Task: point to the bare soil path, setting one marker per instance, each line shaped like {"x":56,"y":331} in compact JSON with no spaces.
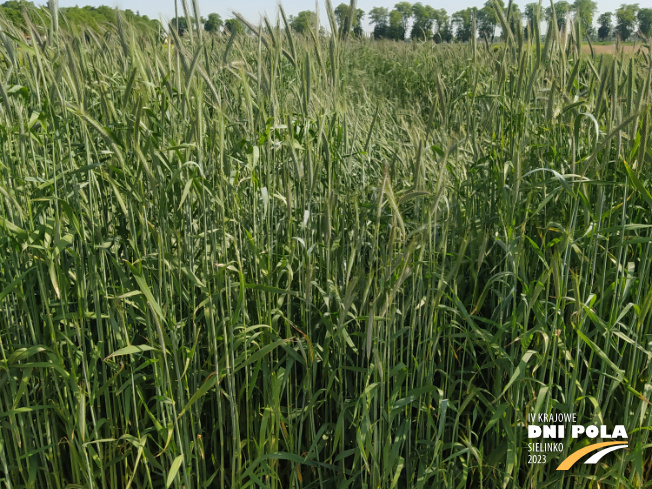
{"x":609,"y":48}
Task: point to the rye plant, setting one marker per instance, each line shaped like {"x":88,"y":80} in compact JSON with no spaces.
{"x":294,"y":261}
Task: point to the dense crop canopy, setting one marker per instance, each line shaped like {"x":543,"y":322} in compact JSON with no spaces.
{"x":281,"y":260}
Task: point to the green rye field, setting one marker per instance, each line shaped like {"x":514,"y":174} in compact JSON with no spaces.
{"x":281,"y":261}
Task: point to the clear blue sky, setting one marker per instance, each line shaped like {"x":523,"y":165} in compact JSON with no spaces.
{"x":253,"y":9}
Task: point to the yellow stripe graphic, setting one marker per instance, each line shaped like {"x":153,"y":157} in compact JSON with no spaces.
{"x":575,"y":456}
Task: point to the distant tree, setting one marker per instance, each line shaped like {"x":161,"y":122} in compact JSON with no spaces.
{"x":463,"y":22}
{"x":342,"y":17}
{"x":532,"y":14}
{"x":405,"y":9}
{"x":12,"y":11}
{"x":561,"y":10}
{"x":304,"y":21}
{"x":440,"y":19}
{"x":180,"y":24}
{"x":626,"y":20}
{"x":357,"y":27}
{"x":107,"y":13}
{"x":584,"y":12}
{"x":379,"y":18}
{"x":444,"y":29}
{"x":515,"y":19}
{"x":213,"y":23}
{"x":77,"y":18}
{"x":88,"y":17}
{"x":424,"y":20}
{"x":644,"y":17}
{"x":605,"y":26}
{"x":233,"y":25}
{"x":396,"y":28}
{"x":488,"y":19}
{"x":341,"y":14}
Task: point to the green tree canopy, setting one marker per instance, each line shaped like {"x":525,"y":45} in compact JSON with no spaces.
{"x":626,"y":20}
{"x":463,"y":23}
{"x":379,"y":18}
{"x":233,"y":25}
{"x":342,"y":17}
{"x":515,"y":18}
{"x":488,"y":18}
{"x":12,"y":11}
{"x":532,"y":14}
{"x":584,"y":12}
{"x":357,"y":27}
{"x":605,"y":26}
{"x":213,"y":23}
{"x":644,"y":17}
{"x":444,"y":29}
{"x":424,"y":20}
{"x":396,"y":28}
{"x":304,"y":21}
{"x":75,"y":18}
{"x":180,"y":24}
{"x":405,"y":9}
{"x":561,"y":9}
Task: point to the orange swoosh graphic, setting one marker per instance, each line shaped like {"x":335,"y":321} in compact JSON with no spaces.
{"x":575,"y":456}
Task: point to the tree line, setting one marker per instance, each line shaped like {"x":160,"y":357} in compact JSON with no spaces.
{"x":405,"y":21}
{"x":76,"y":17}
{"x":424,"y":22}
{"x":420,"y":22}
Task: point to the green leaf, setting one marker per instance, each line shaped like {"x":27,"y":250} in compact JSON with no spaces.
{"x":140,"y":280}
{"x":638,"y":184}
{"x":205,"y":387}
{"x":186,"y":190}
{"x":520,"y":368}
{"x":174,"y":469}
{"x":14,"y":285}
{"x":598,"y":351}
{"x":130,"y":350}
